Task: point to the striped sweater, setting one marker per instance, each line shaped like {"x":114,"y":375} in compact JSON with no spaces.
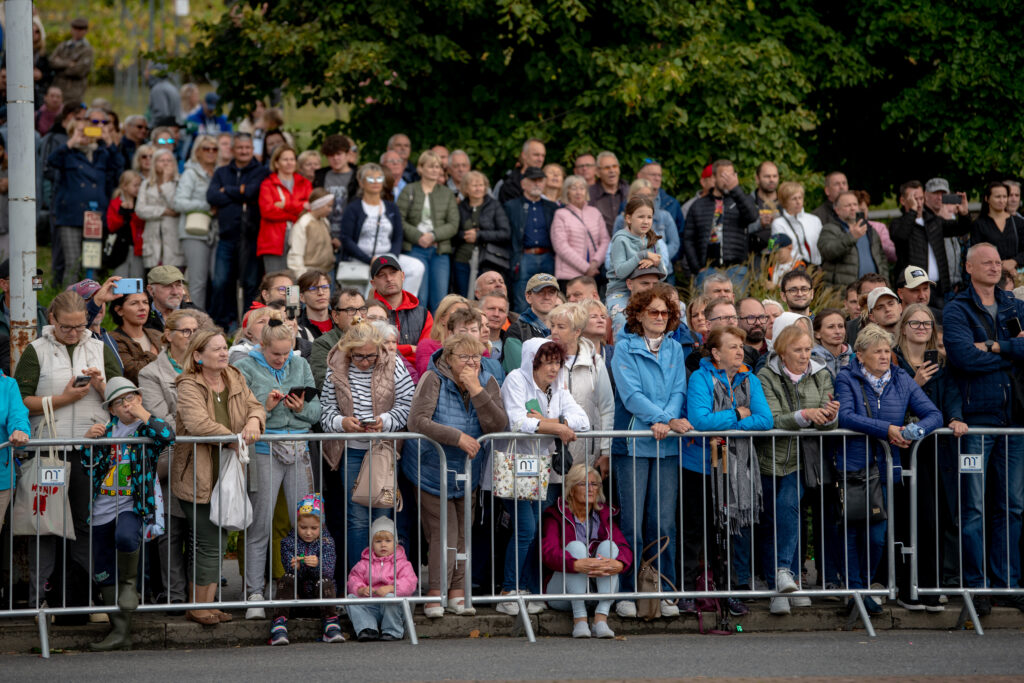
{"x":362,"y":401}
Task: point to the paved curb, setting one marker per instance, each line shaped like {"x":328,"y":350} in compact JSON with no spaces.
{"x":152,"y":631}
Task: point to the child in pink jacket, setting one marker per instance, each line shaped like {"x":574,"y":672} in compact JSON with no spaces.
{"x":383,"y":571}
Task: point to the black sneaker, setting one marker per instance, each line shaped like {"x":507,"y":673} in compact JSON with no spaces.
{"x":367,"y":634}
{"x":388,"y":637}
{"x":688,"y":605}
{"x":911,"y":605}
{"x":872,"y":607}
{"x":737,"y":608}
{"x":1009,"y":601}
{"x":982,"y":605}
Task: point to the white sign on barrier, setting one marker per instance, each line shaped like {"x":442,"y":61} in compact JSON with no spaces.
{"x":51,"y":476}
{"x":527,"y":467}
{"x":972,"y":463}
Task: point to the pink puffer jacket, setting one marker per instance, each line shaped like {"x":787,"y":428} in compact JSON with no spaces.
{"x":384,"y":571}
{"x":573,"y":235}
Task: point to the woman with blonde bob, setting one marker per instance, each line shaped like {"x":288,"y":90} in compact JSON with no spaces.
{"x":801,"y":227}
{"x":457,"y":401}
{"x":365,"y":391}
{"x":582,"y":543}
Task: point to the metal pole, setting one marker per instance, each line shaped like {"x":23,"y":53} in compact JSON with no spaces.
{"x":22,"y":189}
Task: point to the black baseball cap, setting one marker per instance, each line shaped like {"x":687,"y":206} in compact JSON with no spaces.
{"x":533,"y":173}
{"x":383,"y":261}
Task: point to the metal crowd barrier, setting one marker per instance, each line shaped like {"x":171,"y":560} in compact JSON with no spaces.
{"x":726,"y":587}
{"x":407,"y":523}
{"x":950,"y":487}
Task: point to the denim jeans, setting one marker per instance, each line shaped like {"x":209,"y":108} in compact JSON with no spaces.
{"x":739,"y":553}
{"x":648,"y":497}
{"x":1005,"y":457}
{"x":120,"y":535}
{"x":380,"y":618}
{"x":865,"y":543}
{"x":780,"y":525}
{"x":521,"y":554}
{"x":461,"y":272}
{"x":358,"y":517}
{"x":530,"y":265}
{"x":438,"y":271}
{"x":571,"y":582}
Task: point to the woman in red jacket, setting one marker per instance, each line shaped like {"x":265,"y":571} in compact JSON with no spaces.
{"x":284,"y":195}
{"x":580,"y":543}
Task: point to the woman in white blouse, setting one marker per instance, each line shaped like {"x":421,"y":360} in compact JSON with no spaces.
{"x":802,"y":227}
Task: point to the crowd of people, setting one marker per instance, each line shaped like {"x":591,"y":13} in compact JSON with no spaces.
{"x":391,"y":297}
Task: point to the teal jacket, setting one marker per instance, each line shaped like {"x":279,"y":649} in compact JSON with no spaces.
{"x":262,"y":379}
{"x":16,"y":414}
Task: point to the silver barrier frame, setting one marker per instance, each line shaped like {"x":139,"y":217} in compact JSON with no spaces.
{"x":967,"y":594}
{"x":407,"y":603}
{"x":857,"y":595}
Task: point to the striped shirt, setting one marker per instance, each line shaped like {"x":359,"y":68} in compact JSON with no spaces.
{"x":394,"y":420}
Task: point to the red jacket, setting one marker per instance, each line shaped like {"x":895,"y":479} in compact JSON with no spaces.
{"x":274,"y":221}
{"x":558,"y":531}
{"x":413,"y":322}
{"x":115,"y":220}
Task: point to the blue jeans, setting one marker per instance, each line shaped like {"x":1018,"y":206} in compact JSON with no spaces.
{"x":357,"y":536}
{"x":780,"y":525}
{"x":530,"y":265}
{"x":648,"y":500}
{"x":381,"y":618}
{"x":120,"y":535}
{"x":1005,"y":456}
{"x":461,"y":271}
{"x":737,"y":273}
{"x":435,"y":281}
{"x":571,"y":582}
{"x":865,"y":543}
{"x":739,"y":550}
{"x":521,"y":554}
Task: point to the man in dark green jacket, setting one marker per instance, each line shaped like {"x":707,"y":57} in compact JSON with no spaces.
{"x":850,"y":248}
{"x":346,"y":304}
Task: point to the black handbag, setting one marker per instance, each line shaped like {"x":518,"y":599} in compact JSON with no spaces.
{"x":860,"y":496}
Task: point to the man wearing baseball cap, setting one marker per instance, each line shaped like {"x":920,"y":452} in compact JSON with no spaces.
{"x":166,"y":291}
{"x":885,"y":309}
{"x":411,"y":317}
{"x":542,"y":295}
{"x":530,"y":218}
{"x":914,"y":286}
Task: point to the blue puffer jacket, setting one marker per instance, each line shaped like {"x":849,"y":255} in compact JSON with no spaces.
{"x":700,"y":410}
{"x":899,"y":395}
{"x":84,"y":182}
{"x":985,"y":379}
{"x":453,"y":409}
{"x":652,"y":389}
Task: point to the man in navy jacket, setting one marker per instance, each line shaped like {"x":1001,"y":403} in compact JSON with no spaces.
{"x":988,"y":361}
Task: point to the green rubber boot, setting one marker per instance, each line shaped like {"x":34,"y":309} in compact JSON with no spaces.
{"x":120,"y":636}
{"x":127,"y":576}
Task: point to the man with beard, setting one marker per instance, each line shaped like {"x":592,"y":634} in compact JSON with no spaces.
{"x":797,"y":291}
{"x":766,"y":198}
{"x":166,"y":289}
{"x":753,"y":319}
{"x":89,"y":169}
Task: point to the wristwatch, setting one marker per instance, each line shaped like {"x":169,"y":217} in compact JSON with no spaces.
{"x":989,"y":344}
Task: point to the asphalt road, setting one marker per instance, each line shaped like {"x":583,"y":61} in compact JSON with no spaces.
{"x":811,"y":655}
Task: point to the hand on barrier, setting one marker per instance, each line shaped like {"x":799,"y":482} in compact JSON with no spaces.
{"x":18,"y":438}
{"x":660,"y":430}
{"x":251,"y":430}
{"x":896,"y":437}
{"x":469,"y":445}
{"x":959,"y":428}
{"x":680,"y":425}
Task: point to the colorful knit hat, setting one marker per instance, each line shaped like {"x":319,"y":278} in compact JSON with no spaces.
{"x":311,"y":504}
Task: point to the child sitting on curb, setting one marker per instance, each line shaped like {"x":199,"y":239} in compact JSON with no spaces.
{"x":383,"y":571}
{"x":307,"y":554}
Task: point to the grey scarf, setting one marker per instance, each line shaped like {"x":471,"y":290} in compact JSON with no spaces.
{"x":738,"y":491}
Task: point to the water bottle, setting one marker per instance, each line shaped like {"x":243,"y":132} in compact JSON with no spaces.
{"x":912,"y":432}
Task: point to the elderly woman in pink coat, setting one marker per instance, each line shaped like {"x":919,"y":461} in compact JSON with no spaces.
{"x":578,"y":234}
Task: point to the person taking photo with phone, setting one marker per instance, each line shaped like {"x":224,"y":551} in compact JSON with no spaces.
{"x":849,"y":247}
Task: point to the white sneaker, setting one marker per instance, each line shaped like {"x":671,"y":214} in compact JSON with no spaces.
{"x":784,"y":582}
{"x":626,"y":609}
{"x":668,"y":609}
{"x":255,"y":612}
{"x":535,"y":606}
{"x":580,"y":630}
{"x":800,"y":602}
{"x":780,"y":606}
{"x":602,"y":630}
{"x":509,"y":608}
{"x":880,"y":599}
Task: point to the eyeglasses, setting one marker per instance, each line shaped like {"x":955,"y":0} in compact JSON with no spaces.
{"x":753,"y":319}
{"x":281,"y":290}
{"x":351,"y":310}
{"x":319,"y":288}
{"x":798,"y":290}
{"x":588,"y":484}
{"x":185,"y":331}
{"x":657,"y":314}
{"x":591,"y":165}
{"x":364,"y":358}
{"x":100,"y":122}
{"x":728,"y":318}
{"x":145,"y":156}
{"x":468,"y":357}
{"x":119,"y":402}
{"x":141,"y":126}
{"x":920,"y":324}
{"x":68,"y":329}
{"x":207,"y":149}
{"x":375,"y":181}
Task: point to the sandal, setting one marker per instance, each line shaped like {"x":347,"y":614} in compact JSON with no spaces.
{"x":204,"y":617}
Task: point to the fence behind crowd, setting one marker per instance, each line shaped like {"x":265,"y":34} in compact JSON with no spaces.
{"x":61,"y":513}
{"x":964,"y":530}
{"x":731,"y":508}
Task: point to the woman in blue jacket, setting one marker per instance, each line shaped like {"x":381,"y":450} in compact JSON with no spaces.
{"x":650,"y":378}
{"x":874,"y":397}
{"x":15,"y":428}
{"x":370,"y":226}
{"x":724,"y":395}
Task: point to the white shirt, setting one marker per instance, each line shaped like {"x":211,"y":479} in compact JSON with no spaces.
{"x":375,"y":235}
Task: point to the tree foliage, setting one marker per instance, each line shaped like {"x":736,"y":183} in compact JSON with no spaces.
{"x":866,"y":86}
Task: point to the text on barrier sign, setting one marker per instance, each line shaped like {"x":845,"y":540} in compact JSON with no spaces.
{"x":527,"y":467}
{"x":972,"y":463}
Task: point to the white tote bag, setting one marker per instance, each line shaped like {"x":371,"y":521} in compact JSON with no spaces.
{"x":41,"y":504}
{"x":230,"y":508}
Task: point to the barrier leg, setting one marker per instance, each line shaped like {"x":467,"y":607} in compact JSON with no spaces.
{"x":409,"y":624}
{"x":44,"y":638}
{"x":969,"y":612}
{"x":864,"y":617}
{"x":527,"y":626}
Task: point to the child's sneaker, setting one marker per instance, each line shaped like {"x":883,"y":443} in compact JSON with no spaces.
{"x":332,"y":632}
{"x":279,"y":631}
